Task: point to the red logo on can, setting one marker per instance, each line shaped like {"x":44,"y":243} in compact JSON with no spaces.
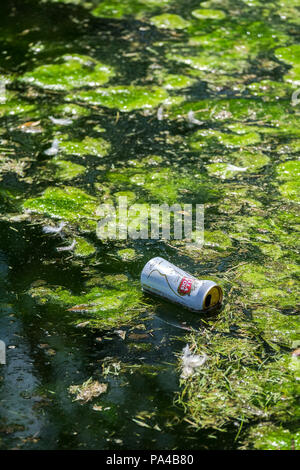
{"x":185,"y":286}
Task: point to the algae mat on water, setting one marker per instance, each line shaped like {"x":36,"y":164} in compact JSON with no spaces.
{"x":163,"y":103}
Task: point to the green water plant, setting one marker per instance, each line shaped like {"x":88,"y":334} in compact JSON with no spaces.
{"x":124,"y":98}
{"x":110,"y":302}
{"x":68,"y":72}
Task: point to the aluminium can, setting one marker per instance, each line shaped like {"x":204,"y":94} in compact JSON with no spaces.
{"x":164,"y":279}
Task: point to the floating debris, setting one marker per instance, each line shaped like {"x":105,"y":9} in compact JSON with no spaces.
{"x":88,"y":390}
{"x":191,"y":361}
{"x":54,"y":230}
{"x":236,"y":168}
{"x":121,"y":333}
{"x":82,"y":324}
{"x":53,"y":150}
{"x":296,"y":353}
{"x":61,"y":121}
{"x":83,"y":308}
{"x":97,"y":408}
{"x":192,"y":120}
{"x":141,"y":423}
{"x":67,"y":248}
{"x":31,"y":127}
{"x":160,"y":113}
{"x":164,"y":279}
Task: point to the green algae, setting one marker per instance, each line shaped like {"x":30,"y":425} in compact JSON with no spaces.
{"x":172,"y":81}
{"x":117,"y":9}
{"x":240,"y":110}
{"x":273,"y":251}
{"x":290,"y":55}
{"x":70,"y":71}
{"x":271,"y":437}
{"x":127,"y":254}
{"x":225,"y":50}
{"x":67,"y":170}
{"x":238,"y":164}
{"x":83,"y":248}
{"x":252,"y":160}
{"x":69,"y":203}
{"x":224,"y":170}
{"x":270,"y":90}
{"x":124,"y":98}
{"x":272,"y":284}
{"x":289,"y":171}
{"x":258,"y":227}
{"x":276,"y":327}
{"x":220,"y":392}
{"x":205,"y":14}
{"x":212,"y":138}
{"x":207,"y":62}
{"x":130,"y":195}
{"x":290,"y":190}
{"x":164,"y":184}
{"x":112,"y":303}
{"x":216,"y":246}
{"x":177,"y":82}
{"x":217,"y":239}
{"x":71,"y":110}
{"x":97,"y":147}
{"x":169,"y":21}
{"x":289,"y":11}
{"x":15,"y":106}
{"x":292,"y":147}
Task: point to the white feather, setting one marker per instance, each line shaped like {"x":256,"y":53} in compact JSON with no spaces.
{"x":191,"y":361}
{"x":61,"y":122}
{"x":53,"y":150}
{"x":192,"y":120}
{"x":67,"y":248}
{"x":236,"y":168}
{"x":54,"y":230}
{"x":160,"y":113}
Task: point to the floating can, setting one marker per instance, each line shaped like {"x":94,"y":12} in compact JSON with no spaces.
{"x":164,"y":279}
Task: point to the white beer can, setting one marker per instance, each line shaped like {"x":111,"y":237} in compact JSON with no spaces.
{"x":161,"y":278}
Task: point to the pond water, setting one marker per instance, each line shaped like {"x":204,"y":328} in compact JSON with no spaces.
{"x":163,"y":102}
